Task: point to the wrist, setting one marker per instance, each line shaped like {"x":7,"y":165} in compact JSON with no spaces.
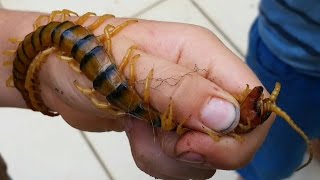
{"x":11,"y":27}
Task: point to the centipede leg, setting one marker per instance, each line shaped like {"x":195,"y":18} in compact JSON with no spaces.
{"x":180,"y":129}
{"x":9,"y":82}
{"x":214,"y":135}
{"x":7,"y":63}
{"x":9,"y":52}
{"x":64,"y":14}
{"x":110,"y":31}
{"x":147,"y":85}
{"x":240,"y":98}
{"x":14,"y":40}
{"x":120,"y":27}
{"x":236,"y":136}
{"x":100,"y":21}
{"x":126,"y":58}
{"x":38,"y":21}
{"x":72,"y":63}
{"x":89,"y":92}
{"x":84,"y":18}
{"x":167,"y":118}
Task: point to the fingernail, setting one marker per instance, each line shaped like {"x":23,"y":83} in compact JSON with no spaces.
{"x":191,"y":157}
{"x":220,"y":115}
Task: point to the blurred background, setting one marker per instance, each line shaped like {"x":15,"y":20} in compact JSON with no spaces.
{"x":39,"y":147}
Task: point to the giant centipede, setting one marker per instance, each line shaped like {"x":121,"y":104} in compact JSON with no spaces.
{"x":97,"y":64}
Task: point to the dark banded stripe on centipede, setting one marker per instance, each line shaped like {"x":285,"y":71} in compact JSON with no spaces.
{"x":79,"y":43}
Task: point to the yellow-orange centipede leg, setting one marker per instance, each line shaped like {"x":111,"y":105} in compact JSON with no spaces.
{"x":9,"y":82}
{"x":9,"y":52}
{"x":72,"y":63}
{"x":118,"y":28}
{"x":99,"y":21}
{"x":133,"y":78}
{"x":64,"y":14}
{"x":14,"y":40}
{"x":167,"y":123}
{"x":126,"y":58}
{"x":147,"y":87}
{"x":7,"y":63}
{"x":180,"y":129}
{"x":84,"y":18}
{"x":38,"y":22}
{"x":240,"y":98}
{"x":110,"y":31}
{"x":89,"y":92}
{"x":214,"y":135}
{"x":237,"y":137}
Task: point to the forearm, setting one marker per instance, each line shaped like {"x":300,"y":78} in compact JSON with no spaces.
{"x":14,"y":24}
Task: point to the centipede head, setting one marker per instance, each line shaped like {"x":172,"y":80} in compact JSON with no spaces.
{"x":252,"y":112}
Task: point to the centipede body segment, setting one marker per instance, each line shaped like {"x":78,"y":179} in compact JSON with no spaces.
{"x":92,"y":55}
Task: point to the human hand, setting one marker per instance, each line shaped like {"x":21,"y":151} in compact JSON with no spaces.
{"x":173,"y":50}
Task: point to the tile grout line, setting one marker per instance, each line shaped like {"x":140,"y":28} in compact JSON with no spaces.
{"x":144,"y":10}
{"x":96,"y":154}
{"x":211,"y":21}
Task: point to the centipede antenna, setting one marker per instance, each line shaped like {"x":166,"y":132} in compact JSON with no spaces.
{"x":274,"y":108}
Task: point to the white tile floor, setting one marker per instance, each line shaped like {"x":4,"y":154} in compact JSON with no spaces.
{"x":38,"y":147}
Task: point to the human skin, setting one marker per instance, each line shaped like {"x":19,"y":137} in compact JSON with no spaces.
{"x":173,"y":50}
